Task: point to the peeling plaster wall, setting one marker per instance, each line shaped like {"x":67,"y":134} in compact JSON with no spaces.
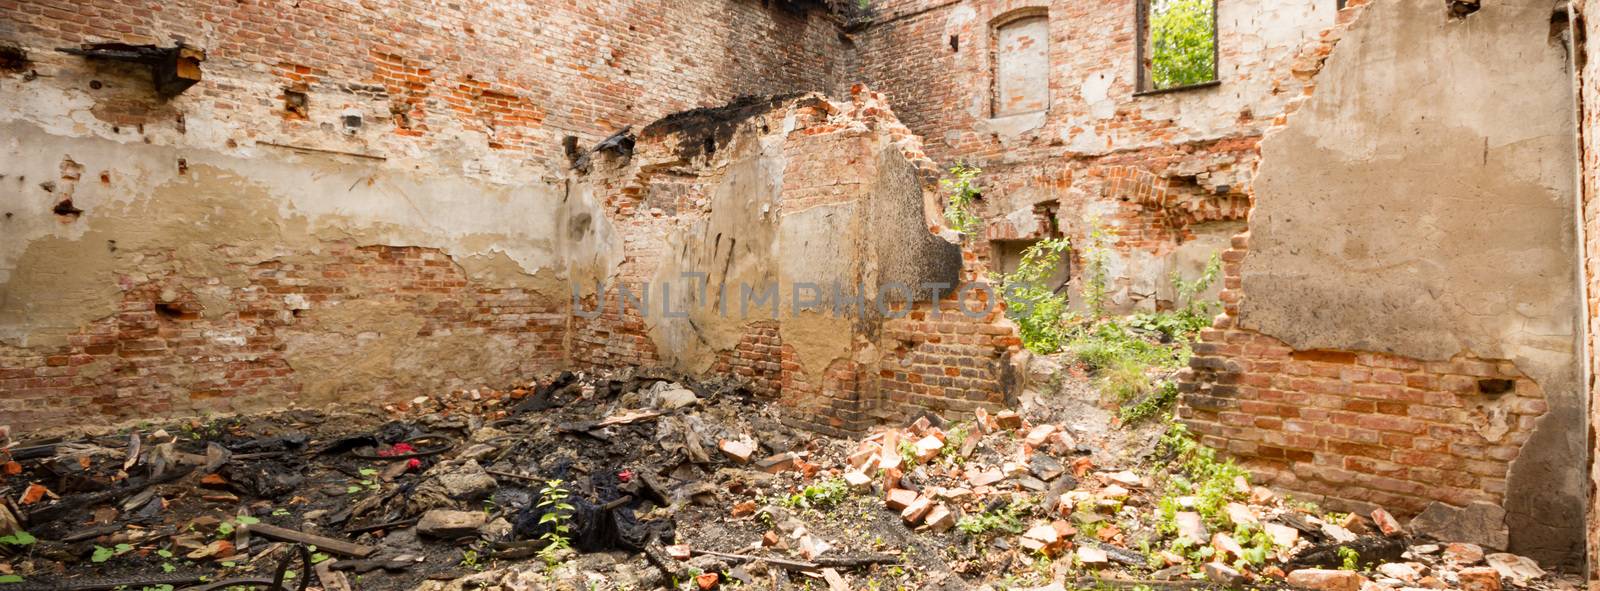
{"x":200,"y":281}
{"x":792,"y":193}
{"x":414,"y":229}
{"x":1417,"y":214}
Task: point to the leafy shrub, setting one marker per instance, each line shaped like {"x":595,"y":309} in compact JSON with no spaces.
{"x":1030,"y":302}
{"x":963,"y":193}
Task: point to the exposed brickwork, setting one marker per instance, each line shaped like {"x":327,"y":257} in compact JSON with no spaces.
{"x":1195,"y":150}
{"x":949,"y":363}
{"x":458,"y":81}
{"x":1354,"y":427}
{"x":1344,"y":426}
{"x":484,"y":90}
{"x":166,"y":352}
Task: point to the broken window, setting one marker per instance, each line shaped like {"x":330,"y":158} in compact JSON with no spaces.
{"x":1177,"y":43}
{"x":1021,"y":64}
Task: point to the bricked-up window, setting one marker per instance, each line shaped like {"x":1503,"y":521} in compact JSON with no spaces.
{"x":1021,"y":64}
{"x":1177,"y":44}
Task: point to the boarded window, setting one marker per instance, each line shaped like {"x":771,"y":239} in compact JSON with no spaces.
{"x":1177,"y":43}
{"x":1022,"y":66}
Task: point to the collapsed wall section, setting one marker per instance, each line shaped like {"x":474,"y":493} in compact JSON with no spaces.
{"x":1400,"y":319}
{"x":787,"y":240}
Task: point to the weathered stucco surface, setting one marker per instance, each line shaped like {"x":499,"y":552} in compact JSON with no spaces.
{"x":199,"y":225}
{"x":1421,"y":204}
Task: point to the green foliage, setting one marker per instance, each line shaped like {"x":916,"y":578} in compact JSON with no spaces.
{"x":470,"y":559}
{"x":908,"y":455}
{"x":1096,"y":261}
{"x":7,"y":579}
{"x":954,"y":438}
{"x":553,"y":499}
{"x":1031,"y":302}
{"x":1200,"y":474}
{"x":102,"y":553}
{"x":1182,"y":42}
{"x":1120,"y":358}
{"x":822,"y":494}
{"x":963,"y":192}
{"x":1349,"y":559}
{"x":1007,"y":519}
{"x":1151,"y":405}
{"x":21,"y":538}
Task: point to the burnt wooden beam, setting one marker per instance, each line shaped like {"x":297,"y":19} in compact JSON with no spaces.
{"x":172,"y":69}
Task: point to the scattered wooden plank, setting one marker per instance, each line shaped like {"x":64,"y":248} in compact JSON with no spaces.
{"x":323,"y":543}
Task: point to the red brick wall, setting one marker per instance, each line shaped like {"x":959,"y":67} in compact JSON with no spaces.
{"x":165,"y":353}
{"x":480,"y":89}
{"x":476,"y":76}
{"x":1198,"y":145}
{"x":1349,"y":428}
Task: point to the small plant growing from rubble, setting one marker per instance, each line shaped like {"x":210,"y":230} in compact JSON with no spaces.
{"x":1007,"y":519}
{"x":822,"y":494}
{"x":1096,"y":267}
{"x":963,"y":193}
{"x":557,"y":510}
{"x":954,"y":438}
{"x":1349,"y":559}
{"x":1151,"y":405}
{"x":21,"y":538}
{"x":469,"y":559}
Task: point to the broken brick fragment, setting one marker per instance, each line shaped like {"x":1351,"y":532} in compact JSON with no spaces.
{"x":743,"y":509}
{"x":737,"y":451}
{"x":1387,"y":523}
{"x":914,"y":512}
{"x":1008,"y":419}
{"x":940,"y":518}
{"x":33,"y":494}
{"x":1481,"y":578}
{"x":1320,"y":579}
{"x":898,"y":499}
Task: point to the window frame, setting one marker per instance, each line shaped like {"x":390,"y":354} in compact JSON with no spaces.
{"x":1141,"y":15}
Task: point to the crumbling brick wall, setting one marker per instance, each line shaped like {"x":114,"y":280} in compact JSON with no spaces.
{"x":355,"y":203}
{"x":786,"y":188}
{"x":1360,"y":370}
{"x":936,"y":61}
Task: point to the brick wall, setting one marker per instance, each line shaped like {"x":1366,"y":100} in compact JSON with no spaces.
{"x":467,"y":81}
{"x":935,"y":60}
{"x":1357,"y":429}
{"x":167,"y":351}
{"x":478,"y":94}
{"x":1371,"y":420}
{"x":826,"y":160}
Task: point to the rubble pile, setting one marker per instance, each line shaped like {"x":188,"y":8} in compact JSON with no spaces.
{"x":635,"y":480}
